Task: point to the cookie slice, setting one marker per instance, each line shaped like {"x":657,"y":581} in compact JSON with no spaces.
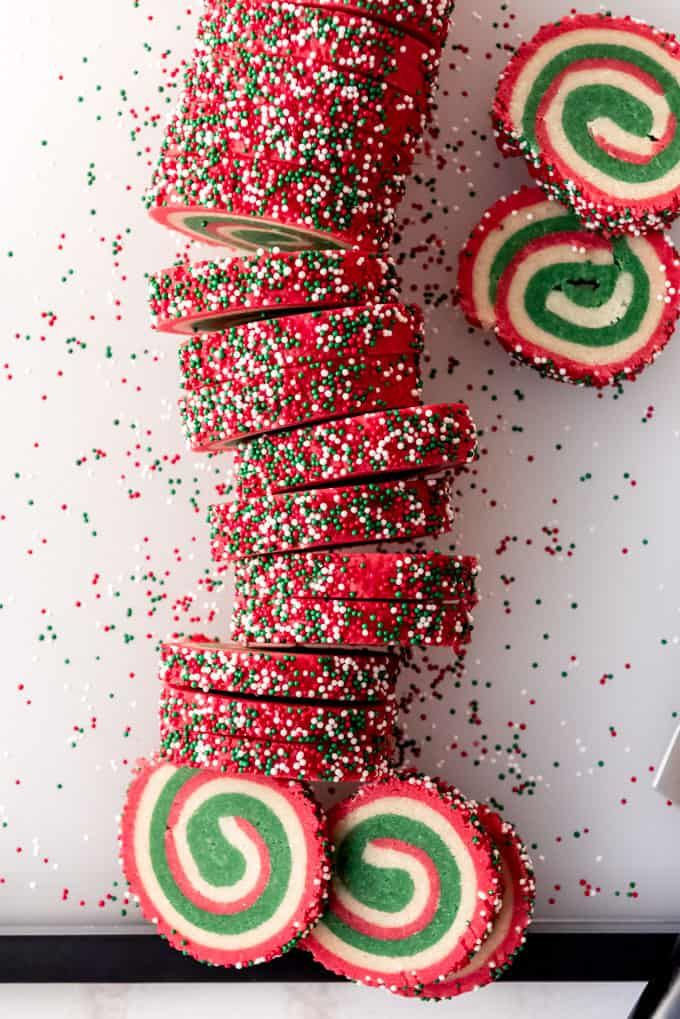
{"x":232,"y":870}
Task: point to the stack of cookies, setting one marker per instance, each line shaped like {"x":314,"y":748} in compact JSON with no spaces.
{"x":299,"y":122}
{"x":290,"y":146}
{"x":310,"y":373}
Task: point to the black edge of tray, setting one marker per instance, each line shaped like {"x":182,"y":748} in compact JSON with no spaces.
{"x":138,"y":958}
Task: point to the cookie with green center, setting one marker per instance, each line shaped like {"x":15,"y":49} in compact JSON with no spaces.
{"x":385,"y":576}
{"x":372,"y":330}
{"x":500,"y":949}
{"x":412,"y":440}
{"x":415,"y":885}
{"x":593,"y":104}
{"x":188,"y":712}
{"x":340,"y":622}
{"x":321,"y":518}
{"x":255,"y":398}
{"x":201,"y":664}
{"x":211,"y":295}
{"x":426,"y":19}
{"x":322,"y":760}
{"x":576,"y":306}
{"x":232,"y":870}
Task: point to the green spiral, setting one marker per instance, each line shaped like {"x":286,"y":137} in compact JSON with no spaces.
{"x":587,"y":102}
{"x":390,"y":890}
{"x":218,"y":862}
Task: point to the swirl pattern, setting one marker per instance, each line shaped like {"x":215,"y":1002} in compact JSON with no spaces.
{"x":507,"y":938}
{"x":414,"y":886}
{"x":199,"y":852}
{"x":576,"y":306}
{"x":593,"y":103}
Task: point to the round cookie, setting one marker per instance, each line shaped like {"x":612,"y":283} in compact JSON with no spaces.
{"x":320,"y":760}
{"x":189,"y":712}
{"x":410,"y":440}
{"x":200,"y":664}
{"x":260,"y":398}
{"x":592,"y":102}
{"x":427,"y":19}
{"x":284,"y":31}
{"x":500,"y":949}
{"x":415,"y":885}
{"x":385,"y":576}
{"x":317,"y":129}
{"x":307,"y":154}
{"x":344,"y":623}
{"x":232,"y":871}
{"x":249,"y":202}
{"x":212,"y":294}
{"x":573,"y":305}
{"x":372,"y":330}
{"x":325,"y":517}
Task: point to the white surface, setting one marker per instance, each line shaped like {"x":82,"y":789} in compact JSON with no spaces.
{"x":546,"y":682}
{"x":312,"y":1001}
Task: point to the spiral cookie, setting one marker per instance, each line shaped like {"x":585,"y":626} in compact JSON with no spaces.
{"x":201,"y":664}
{"x":325,"y":517}
{"x":411,"y":440}
{"x":593,"y":102}
{"x":350,"y":622}
{"x":211,"y":295}
{"x":500,"y":948}
{"x":576,"y":306}
{"x":384,"y":576}
{"x":415,"y":885}
{"x":232,"y":870}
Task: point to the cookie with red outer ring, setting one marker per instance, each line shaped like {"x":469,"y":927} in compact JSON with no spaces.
{"x":557,"y":356}
{"x":258,"y":399}
{"x":549,"y":108}
{"x":278,"y":830}
{"x":442,"y":907}
{"x":200,"y":295}
{"x":197,"y":663}
{"x":306,"y":762}
{"x":519,"y":274}
{"x":346,"y":623}
{"x":327,"y":517}
{"x":408,"y":440}
{"x":482,"y":256}
{"x":500,"y":949}
{"x":399,"y":576}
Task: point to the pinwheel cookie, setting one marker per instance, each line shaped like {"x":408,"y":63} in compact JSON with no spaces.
{"x":576,"y":306}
